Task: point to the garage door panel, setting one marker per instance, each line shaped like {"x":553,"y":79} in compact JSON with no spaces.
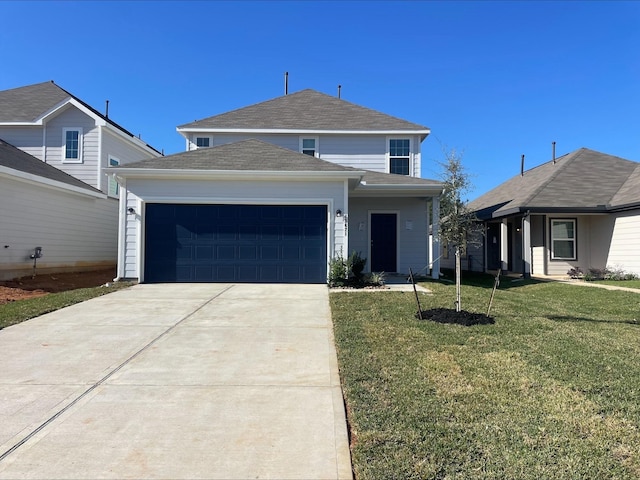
{"x":235,"y":243}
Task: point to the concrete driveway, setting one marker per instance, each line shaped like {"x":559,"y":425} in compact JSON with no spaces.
{"x":213,"y":381}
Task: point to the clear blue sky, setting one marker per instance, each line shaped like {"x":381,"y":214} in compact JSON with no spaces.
{"x":492,"y":79}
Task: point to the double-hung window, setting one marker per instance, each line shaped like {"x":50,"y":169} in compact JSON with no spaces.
{"x":113,"y":188}
{"x":399,"y":156}
{"x":563,"y":239}
{"x":309,"y":146}
{"x":72,"y":145}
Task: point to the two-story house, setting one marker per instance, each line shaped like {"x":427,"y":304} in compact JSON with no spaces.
{"x":73,"y":217}
{"x":271,"y":192}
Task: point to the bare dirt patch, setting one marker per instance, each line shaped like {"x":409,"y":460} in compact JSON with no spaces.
{"x":27,"y":287}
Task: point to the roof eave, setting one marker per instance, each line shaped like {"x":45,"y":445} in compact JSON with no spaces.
{"x":304,"y":131}
{"x":47,"y":182}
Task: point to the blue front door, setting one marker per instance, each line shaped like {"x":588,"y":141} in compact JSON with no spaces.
{"x":384,"y":242}
{"x":235,"y":243}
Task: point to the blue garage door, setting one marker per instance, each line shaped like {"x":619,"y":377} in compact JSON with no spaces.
{"x":235,"y":243}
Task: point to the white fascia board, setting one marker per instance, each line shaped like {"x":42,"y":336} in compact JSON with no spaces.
{"x":232,"y":174}
{"x":61,"y":106}
{"x":135,"y":141}
{"x":298,"y":131}
{"x":46,"y":182}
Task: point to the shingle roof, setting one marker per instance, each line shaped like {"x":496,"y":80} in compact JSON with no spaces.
{"x":256,"y":155}
{"x":16,"y":159}
{"x":27,"y":104}
{"x":584,"y":179}
{"x":305,"y":110}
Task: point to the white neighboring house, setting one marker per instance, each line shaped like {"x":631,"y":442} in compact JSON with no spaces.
{"x":272,"y":192}
{"x":62,"y":132}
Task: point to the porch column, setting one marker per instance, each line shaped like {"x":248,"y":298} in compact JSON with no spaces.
{"x":526,"y":246}
{"x":435,"y":235}
{"x":504,"y":245}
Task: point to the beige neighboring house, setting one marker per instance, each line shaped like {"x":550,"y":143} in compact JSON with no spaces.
{"x":273,"y":191}
{"x":579,"y":210}
{"x":53,"y":191}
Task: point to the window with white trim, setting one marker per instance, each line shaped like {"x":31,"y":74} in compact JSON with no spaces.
{"x":563,"y":239}
{"x":72,"y":145}
{"x":309,"y":146}
{"x":113,"y":187}
{"x":399,"y":155}
{"x":203,"y":142}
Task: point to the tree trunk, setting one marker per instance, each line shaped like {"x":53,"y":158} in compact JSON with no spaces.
{"x":458,"y":268}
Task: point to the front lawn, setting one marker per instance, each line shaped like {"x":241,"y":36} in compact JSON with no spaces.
{"x":551,"y":390}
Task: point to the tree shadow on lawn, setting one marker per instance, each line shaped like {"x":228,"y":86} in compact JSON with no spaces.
{"x":448,"y":315}
{"x":486,"y":280}
{"x":566,"y":318}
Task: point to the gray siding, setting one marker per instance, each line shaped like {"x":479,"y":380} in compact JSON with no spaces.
{"x":119,"y":148}
{"x":412,"y":234}
{"x":76,"y":232}
{"x":87,"y":171}
{"x":367,"y":152}
{"x":28,"y":139}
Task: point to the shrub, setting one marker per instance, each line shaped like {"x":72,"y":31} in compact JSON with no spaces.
{"x":575,"y":272}
{"x":355,"y":265}
{"x":338,"y":272}
{"x":375,"y":279}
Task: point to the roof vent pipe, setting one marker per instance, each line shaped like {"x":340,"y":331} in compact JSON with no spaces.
{"x":339,"y":88}
{"x":554,"y":152}
{"x":522,"y":166}
{"x":106,"y":113}
{"x":286,"y":83}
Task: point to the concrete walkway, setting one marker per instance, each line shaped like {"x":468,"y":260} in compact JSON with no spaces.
{"x":205,"y":381}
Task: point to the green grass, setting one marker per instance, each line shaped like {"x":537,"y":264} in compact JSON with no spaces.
{"x":551,"y":390}
{"x":19,"y":311}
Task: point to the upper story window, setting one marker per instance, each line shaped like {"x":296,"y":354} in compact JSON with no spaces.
{"x":113,"y":188}
{"x":563,"y":239}
{"x":309,"y":146}
{"x":203,"y":142}
{"x":399,"y":156}
{"x":72,"y":145}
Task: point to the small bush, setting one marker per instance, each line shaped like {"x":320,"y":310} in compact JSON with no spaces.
{"x":355,"y":265}
{"x":338,"y":272}
{"x":375,"y":279}
{"x":575,"y":272}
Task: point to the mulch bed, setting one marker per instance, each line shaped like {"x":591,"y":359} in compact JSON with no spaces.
{"x":448,"y":315}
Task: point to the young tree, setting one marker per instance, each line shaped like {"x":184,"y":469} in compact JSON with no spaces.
{"x":459,"y":226}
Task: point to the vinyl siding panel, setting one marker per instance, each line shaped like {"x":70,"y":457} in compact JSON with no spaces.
{"x":367,"y":152}
{"x":285,"y":141}
{"x":28,"y":139}
{"x":625,"y":242}
{"x":115,"y":146}
{"x":87,"y":171}
{"x":412,"y":232}
{"x":140,"y":191}
{"x":363,"y":151}
{"x":76,"y":232}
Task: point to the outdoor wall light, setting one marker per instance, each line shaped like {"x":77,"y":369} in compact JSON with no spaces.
{"x":131,"y":210}
{"x":338,"y":213}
